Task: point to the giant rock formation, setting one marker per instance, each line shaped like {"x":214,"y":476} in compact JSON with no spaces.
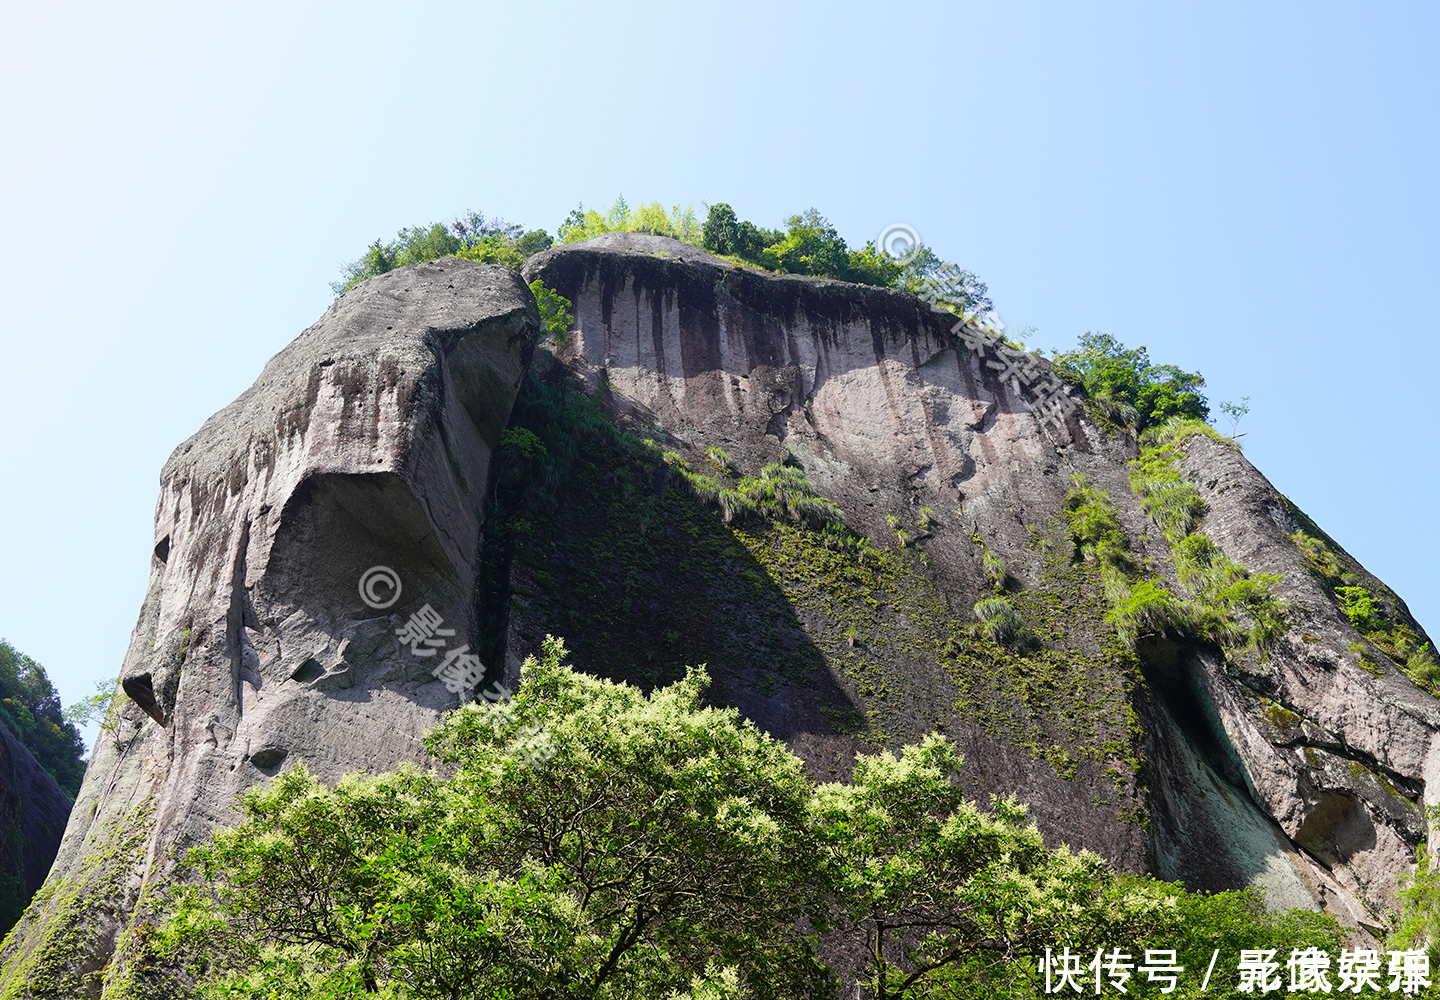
{"x":368,"y":442}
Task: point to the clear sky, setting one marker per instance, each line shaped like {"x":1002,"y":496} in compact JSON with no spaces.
{"x":1247,"y":189}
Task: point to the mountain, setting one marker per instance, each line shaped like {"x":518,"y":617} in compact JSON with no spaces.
{"x":870,"y":520}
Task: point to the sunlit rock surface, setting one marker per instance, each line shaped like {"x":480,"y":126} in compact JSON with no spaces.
{"x":367,"y":442}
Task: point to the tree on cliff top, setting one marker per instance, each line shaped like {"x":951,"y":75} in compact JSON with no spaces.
{"x":1126,"y":388}
{"x":472,"y":236}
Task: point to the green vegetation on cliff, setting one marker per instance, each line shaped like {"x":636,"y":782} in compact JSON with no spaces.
{"x":30,"y":710}
{"x":1374,"y":610}
{"x":1229,"y":606}
{"x":1124,"y":389}
{"x":661,"y":848}
{"x":650,"y":561}
{"x":1243,"y":604}
{"x":808,"y":245}
{"x":472,"y":236}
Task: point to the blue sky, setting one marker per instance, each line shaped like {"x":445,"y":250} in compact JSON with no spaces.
{"x":1247,"y":189}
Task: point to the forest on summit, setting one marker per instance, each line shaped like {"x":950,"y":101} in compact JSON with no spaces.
{"x":1122,"y":385}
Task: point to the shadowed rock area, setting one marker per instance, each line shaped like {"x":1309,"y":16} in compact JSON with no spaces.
{"x":33,"y":812}
{"x":368,"y":442}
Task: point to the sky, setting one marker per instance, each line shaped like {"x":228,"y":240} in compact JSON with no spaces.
{"x":1246,"y":189}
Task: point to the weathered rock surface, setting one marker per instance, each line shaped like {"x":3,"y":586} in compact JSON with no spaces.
{"x":365,"y":442}
{"x":890,"y":413}
{"x":878,"y":400}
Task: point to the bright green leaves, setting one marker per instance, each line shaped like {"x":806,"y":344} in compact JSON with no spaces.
{"x":472,"y":236}
{"x":1357,"y":605}
{"x":1095,"y":527}
{"x":811,"y":245}
{"x":1376,"y":616}
{"x":660,"y":843}
{"x":556,"y":312}
{"x":1126,"y":388}
{"x":665,"y":849}
{"x":779,"y":493}
{"x":651,"y":218}
{"x":1232,"y":605}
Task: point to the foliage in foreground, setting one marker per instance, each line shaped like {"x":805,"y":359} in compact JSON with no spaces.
{"x":664,"y":849}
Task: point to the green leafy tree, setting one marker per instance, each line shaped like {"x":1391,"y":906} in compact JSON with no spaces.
{"x":1126,"y":388}
{"x":1235,"y":411}
{"x":658,"y":848}
{"x":811,"y":246}
{"x":923,"y":273}
{"x":1418,"y":923}
{"x":30,"y":710}
{"x":652,"y":218}
{"x":472,"y":236}
{"x":727,"y":236}
{"x":556,"y":312}
{"x":952,"y":900}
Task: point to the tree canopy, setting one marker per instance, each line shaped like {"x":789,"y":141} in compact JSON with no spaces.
{"x":1126,"y":388}
{"x":809,"y":245}
{"x":30,"y":709}
{"x":472,"y":236}
{"x":588,"y":840}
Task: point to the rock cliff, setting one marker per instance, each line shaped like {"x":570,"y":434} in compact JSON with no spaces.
{"x":1303,"y":768}
{"x":366,"y":442}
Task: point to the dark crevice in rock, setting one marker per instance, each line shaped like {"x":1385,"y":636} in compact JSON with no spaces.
{"x":236,"y":615}
{"x":141,"y":691}
{"x":307,"y":671}
{"x":1171,"y":672}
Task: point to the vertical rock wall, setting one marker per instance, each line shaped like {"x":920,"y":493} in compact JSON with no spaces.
{"x":366,"y":442}
{"x":1304,"y":772}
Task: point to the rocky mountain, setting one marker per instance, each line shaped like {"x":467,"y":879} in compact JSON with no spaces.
{"x":595,"y":484}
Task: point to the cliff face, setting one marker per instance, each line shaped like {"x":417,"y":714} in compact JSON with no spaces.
{"x":368,"y":442}
{"x":1303,"y":770}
